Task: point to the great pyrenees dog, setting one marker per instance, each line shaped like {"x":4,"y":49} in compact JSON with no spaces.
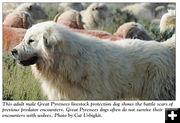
{"x":73,"y":66}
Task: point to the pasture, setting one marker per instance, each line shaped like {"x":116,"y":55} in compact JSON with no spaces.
{"x":20,"y":84}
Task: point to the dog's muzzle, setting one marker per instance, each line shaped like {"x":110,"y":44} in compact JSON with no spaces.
{"x":14,"y":52}
{"x":27,"y":62}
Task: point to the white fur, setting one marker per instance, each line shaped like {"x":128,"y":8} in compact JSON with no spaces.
{"x":140,"y":10}
{"x":168,"y":20}
{"x":95,"y":15}
{"x":34,"y":9}
{"x":74,"y":66}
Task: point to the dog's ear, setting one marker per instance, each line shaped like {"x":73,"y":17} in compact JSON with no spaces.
{"x":46,"y":41}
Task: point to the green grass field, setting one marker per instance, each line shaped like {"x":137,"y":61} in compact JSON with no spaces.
{"x":20,"y":84}
{"x":18,"y":81}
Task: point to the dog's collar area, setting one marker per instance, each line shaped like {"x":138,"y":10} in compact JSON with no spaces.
{"x":30,"y":61}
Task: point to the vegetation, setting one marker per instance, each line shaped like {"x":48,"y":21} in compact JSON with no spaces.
{"x":18,"y":81}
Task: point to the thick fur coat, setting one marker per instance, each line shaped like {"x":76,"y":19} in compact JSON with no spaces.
{"x":72,"y":66}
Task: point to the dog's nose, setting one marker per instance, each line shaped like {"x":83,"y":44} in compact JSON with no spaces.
{"x":14,"y":52}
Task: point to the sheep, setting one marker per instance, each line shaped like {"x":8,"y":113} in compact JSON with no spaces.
{"x":71,"y":6}
{"x":74,"y":27}
{"x":168,"y":20}
{"x":34,"y":9}
{"x":18,"y":19}
{"x":95,"y":15}
{"x":12,"y":36}
{"x":141,"y":10}
{"x":162,"y":9}
{"x":70,"y":18}
{"x":132,"y":30}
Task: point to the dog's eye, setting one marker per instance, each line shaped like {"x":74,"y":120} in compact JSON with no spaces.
{"x":30,"y":41}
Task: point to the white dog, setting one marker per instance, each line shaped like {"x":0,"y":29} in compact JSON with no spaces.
{"x":72,"y":66}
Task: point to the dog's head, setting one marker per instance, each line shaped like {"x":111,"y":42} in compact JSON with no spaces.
{"x":35,"y":45}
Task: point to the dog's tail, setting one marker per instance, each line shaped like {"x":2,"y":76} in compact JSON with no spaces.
{"x":171,"y":43}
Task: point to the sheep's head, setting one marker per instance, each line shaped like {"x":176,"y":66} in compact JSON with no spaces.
{"x":100,"y":9}
{"x":34,"y":9}
{"x":100,"y":14}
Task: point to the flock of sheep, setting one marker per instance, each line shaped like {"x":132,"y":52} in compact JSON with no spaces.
{"x":83,"y":18}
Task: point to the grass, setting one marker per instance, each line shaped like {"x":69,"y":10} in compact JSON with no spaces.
{"x":20,"y":84}
{"x":18,"y":81}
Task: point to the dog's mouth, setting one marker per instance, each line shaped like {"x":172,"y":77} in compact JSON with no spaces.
{"x":30,"y":61}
